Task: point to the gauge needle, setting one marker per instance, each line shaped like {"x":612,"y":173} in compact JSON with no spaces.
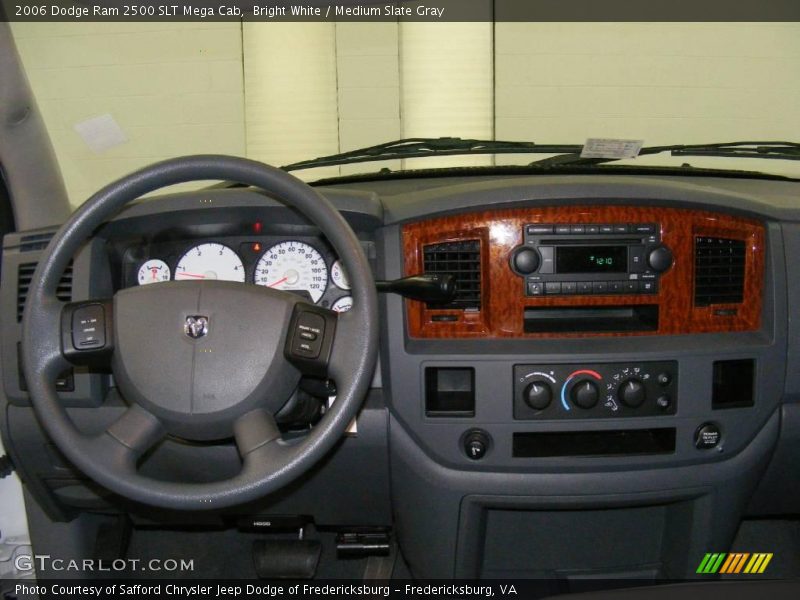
{"x":280,"y":281}
{"x":192,"y":275}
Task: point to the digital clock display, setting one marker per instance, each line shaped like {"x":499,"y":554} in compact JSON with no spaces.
{"x":591,"y":259}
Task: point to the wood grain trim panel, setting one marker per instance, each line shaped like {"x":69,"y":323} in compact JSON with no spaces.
{"x":503,"y":299}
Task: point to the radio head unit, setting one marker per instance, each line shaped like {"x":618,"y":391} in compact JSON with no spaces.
{"x":580,"y":259}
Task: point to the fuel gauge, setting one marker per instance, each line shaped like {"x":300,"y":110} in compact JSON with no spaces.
{"x":153,"y":271}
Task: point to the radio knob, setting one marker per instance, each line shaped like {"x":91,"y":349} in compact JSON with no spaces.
{"x":632,"y":393}
{"x":660,"y":259}
{"x":525,"y":260}
{"x":538,"y":395}
{"x":585,"y":394}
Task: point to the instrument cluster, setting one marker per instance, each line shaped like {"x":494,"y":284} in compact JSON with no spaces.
{"x":300,"y":266}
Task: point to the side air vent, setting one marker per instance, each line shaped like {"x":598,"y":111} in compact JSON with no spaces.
{"x":461,"y":259}
{"x":718,"y":271}
{"x":34,"y":241}
{"x":24,"y":278}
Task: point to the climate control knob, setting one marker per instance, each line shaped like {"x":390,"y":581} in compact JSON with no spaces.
{"x":660,"y":259}
{"x":538,"y":395}
{"x":585,"y":394}
{"x":632,"y":392}
{"x":525,"y":260}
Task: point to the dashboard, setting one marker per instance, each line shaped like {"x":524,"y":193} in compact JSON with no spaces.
{"x":617,"y":372}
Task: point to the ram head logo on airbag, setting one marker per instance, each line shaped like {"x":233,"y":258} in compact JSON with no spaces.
{"x":195,"y":326}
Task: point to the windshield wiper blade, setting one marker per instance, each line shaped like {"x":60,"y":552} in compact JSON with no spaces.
{"x":420,"y":147}
{"x":767,"y":149}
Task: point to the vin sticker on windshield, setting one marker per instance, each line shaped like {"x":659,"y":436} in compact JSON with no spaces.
{"x":611,"y":148}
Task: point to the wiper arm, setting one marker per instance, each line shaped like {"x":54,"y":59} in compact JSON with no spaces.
{"x":772,"y":150}
{"x":420,"y":147}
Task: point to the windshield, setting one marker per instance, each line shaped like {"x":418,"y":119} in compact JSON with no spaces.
{"x":117,"y":96}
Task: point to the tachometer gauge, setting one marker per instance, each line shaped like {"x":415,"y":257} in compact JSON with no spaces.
{"x":293,"y":266}
{"x":343,"y":304}
{"x":153,"y":271}
{"x":338,"y":276}
{"x":210,"y":261}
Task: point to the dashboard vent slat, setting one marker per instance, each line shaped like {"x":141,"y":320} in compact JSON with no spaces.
{"x":34,"y":241}
{"x":25,"y":277}
{"x":718,"y":271}
{"x":461,"y":259}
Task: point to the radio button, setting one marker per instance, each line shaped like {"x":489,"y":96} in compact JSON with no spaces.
{"x":539,"y":229}
{"x":631,"y":287}
{"x":600,"y":287}
{"x":620,"y":229}
{"x":616,"y":287}
{"x":562,"y":229}
{"x":643,"y":228}
{"x":636,"y":260}
{"x":606,"y":229}
{"x":584,"y":287}
{"x":648,"y":287}
{"x":535,"y":288}
{"x":577,"y":229}
{"x":592,"y":229}
{"x":568,"y":287}
{"x":548,"y":264}
{"x":552,"y":287}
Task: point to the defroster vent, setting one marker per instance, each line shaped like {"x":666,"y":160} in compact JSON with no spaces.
{"x":461,"y":259}
{"x":718,"y":270}
{"x":24,"y":278}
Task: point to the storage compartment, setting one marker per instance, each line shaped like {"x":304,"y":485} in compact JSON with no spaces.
{"x":588,"y":319}
{"x":733,"y":385}
{"x":449,"y":392}
{"x":594,"y":443}
{"x":578,"y":544}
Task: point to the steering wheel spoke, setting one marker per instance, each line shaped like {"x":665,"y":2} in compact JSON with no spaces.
{"x":256,"y":433}
{"x":128,"y":438}
{"x":87,"y":332}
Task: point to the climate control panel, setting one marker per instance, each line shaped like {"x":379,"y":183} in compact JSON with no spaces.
{"x":613,"y":390}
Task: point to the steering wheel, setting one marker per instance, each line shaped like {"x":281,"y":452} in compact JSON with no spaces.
{"x":200,"y":360}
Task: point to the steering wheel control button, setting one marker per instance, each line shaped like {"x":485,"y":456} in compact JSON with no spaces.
{"x":308,"y":335}
{"x":707,"y":436}
{"x":310,"y":339}
{"x":88,"y":327}
{"x":476,"y":444}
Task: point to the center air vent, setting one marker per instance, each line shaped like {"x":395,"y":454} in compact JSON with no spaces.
{"x":461,"y":259}
{"x":24,"y":278}
{"x":718,"y":271}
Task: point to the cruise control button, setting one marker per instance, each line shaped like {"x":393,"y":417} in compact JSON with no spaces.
{"x":308,"y":335}
{"x":88,"y":327}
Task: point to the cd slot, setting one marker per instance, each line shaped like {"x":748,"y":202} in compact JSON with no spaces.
{"x":615,"y":442}
{"x":604,"y":241}
{"x":584,"y":319}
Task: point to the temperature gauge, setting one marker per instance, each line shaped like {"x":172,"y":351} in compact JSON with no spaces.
{"x":338,"y":276}
{"x":153,"y":271}
{"x":343,"y":304}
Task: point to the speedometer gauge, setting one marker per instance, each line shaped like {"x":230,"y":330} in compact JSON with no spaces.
{"x":293,"y":266}
{"x":210,"y":261}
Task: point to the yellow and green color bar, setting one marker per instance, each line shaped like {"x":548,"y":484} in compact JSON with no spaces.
{"x":734,"y":563}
